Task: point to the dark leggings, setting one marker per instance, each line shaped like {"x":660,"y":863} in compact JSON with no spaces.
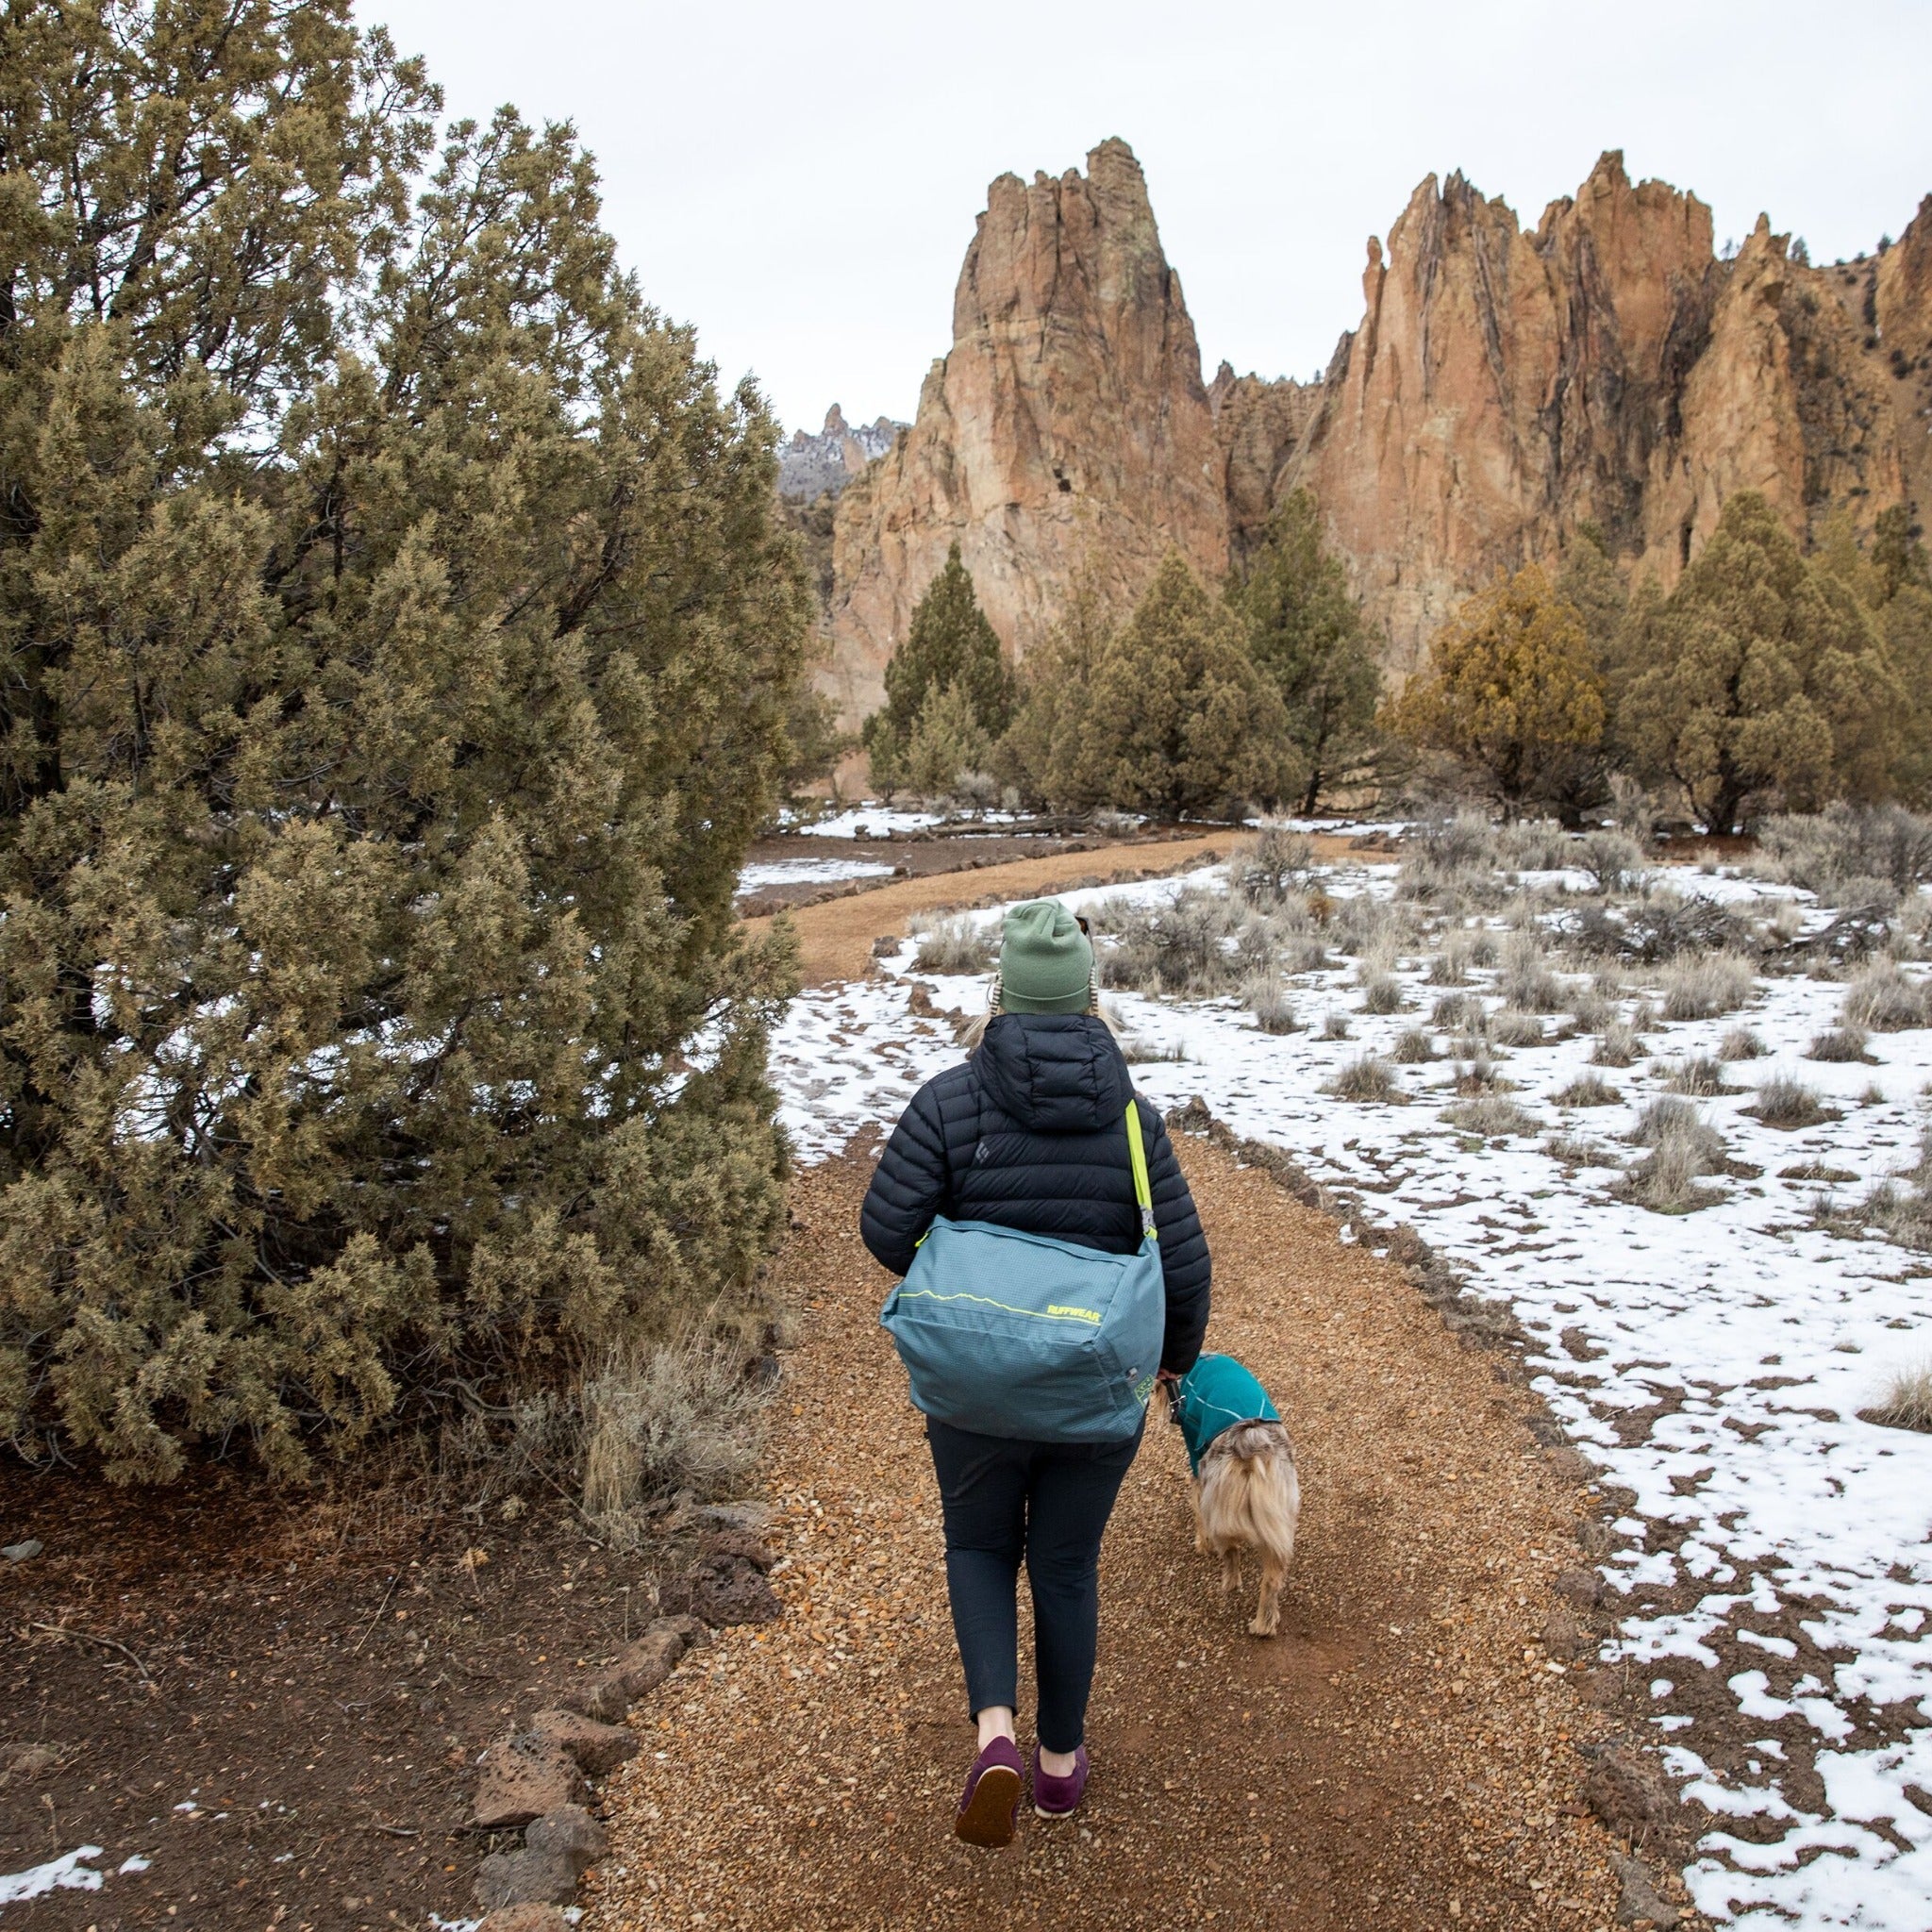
{"x":1048,"y":1504}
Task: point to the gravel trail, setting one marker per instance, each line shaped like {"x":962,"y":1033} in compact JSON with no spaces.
{"x":1404,"y":1757}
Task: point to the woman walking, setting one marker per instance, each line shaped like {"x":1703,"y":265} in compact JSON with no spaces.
{"x":1034,"y":1134}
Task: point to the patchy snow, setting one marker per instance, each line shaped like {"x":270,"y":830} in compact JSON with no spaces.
{"x":1712,"y":1364}
{"x":67,"y":1873}
{"x":868,"y":821}
{"x":810,"y":872}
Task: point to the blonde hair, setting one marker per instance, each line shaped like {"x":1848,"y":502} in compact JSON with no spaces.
{"x":973,"y":1030}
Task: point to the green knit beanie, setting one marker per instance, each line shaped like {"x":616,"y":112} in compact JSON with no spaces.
{"x":1047,"y":961}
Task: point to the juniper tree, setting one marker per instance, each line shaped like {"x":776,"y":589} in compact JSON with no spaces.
{"x":1760,"y":678}
{"x":1305,"y":629}
{"x":949,"y":642}
{"x":1510,"y":688}
{"x":1178,"y":718}
{"x":395,"y":645}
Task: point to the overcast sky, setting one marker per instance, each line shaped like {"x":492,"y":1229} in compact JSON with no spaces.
{"x":800,"y":180}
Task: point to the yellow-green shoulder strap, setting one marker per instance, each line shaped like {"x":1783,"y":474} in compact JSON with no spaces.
{"x":1143,"y":1193}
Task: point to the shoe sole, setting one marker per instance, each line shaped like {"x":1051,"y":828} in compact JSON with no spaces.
{"x":987,"y":1817}
{"x":1040,"y":1811}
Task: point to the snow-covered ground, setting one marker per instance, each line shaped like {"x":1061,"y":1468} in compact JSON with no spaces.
{"x":809,"y":872}
{"x":1773,"y":1573}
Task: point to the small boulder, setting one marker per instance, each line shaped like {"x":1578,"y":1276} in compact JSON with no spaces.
{"x":1640,"y":1903}
{"x":641,"y":1667}
{"x":593,"y":1747}
{"x":569,"y":1833}
{"x":1582,"y":1588}
{"x":523,"y":1779}
{"x":557,"y":1850}
{"x":1563,"y":1636}
{"x":726,"y":1588}
{"x":524,"y":1919}
{"x":1626,"y":1790}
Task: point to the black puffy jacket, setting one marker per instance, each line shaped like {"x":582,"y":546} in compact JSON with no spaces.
{"x":1030,"y":1134}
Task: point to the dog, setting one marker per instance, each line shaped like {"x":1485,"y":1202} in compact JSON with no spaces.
{"x":1247,"y":1491}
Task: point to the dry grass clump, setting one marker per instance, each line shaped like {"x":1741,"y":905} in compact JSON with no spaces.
{"x":1591,"y":1009}
{"x":1741,"y":1043}
{"x":1414,"y":1048}
{"x":1491,"y":1116}
{"x":1788,"y":1103}
{"x":1278,"y":865}
{"x":1364,"y":926}
{"x":1839,"y":1047}
{"x":1334,"y":1024}
{"x":1848,"y":855}
{"x":1614,"y":860}
{"x":1701,"y":986}
{"x":1381,"y":993}
{"x":1463,"y":1009}
{"x":1588,"y":1090}
{"x":1906,"y":1403}
{"x":1367,"y":1079}
{"x":1477,"y":1078}
{"x":1508,"y":1027}
{"x":1883,"y":1000}
{"x":1684,"y":1149}
{"x":1903,"y":1205}
{"x":1568,"y":1151}
{"x":1265,"y":997}
{"x":959,"y":945}
{"x":681,"y":1416}
{"x":1618,"y":1045}
{"x":1702,"y":1076}
{"x":1448,"y":858}
{"x":1178,"y":947}
{"x":1527,"y":980}
{"x":1534,"y":845}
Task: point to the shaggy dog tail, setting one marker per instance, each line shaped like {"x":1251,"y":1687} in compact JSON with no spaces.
{"x":1266,"y":1494}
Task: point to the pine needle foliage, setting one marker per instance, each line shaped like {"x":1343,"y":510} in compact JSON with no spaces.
{"x":949,"y":646}
{"x":1761,"y":679}
{"x":1305,"y":629}
{"x":397,"y":644}
{"x":1512,"y":689}
{"x":1176,"y":718}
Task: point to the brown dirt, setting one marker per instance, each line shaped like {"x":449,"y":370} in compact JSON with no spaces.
{"x":279,"y":1699}
{"x":1403,"y":1756}
{"x":836,"y":936}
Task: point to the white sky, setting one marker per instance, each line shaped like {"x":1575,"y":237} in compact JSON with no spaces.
{"x":800,"y":180}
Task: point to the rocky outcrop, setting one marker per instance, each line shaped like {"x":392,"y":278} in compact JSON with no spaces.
{"x":1504,"y":387}
{"x":811,"y":467}
{"x":1259,"y":425}
{"x":1066,"y":430}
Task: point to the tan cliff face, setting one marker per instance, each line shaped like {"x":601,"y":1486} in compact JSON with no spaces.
{"x":1066,"y":428}
{"x":1503,"y":386}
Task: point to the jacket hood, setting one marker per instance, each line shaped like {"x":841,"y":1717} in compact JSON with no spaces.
{"x":1054,"y":1072}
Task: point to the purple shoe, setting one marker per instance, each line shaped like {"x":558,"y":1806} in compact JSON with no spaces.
{"x":992,"y":1795}
{"x":1060,"y":1797}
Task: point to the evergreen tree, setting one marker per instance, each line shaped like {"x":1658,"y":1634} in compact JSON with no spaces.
{"x":1898,"y":556}
{"x":1591,"y":584}
{"x":1043,"y":746}
{"x":1760,"y":677}
{"x":1178,"y":718}
{"x":947,"y":742}
{"x":1305,"y":629}
{"x":949,"y":642}
{"x":397,"y":645}
{"x":1512,"y":689}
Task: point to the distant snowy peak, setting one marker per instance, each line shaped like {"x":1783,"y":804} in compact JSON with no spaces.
{"x":822,"y":465}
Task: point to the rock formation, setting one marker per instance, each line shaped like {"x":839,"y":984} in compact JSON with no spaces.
{"x":1067,"y":428}
{"x":1503,"y":388}
{"x":811,"y":467}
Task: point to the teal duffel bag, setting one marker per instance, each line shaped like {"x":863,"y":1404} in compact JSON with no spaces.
{"x":1029,"y":1337}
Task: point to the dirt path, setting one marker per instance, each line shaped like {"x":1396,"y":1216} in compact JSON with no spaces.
{"x":1403,"y":1758}
{"x":835,"y":936}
